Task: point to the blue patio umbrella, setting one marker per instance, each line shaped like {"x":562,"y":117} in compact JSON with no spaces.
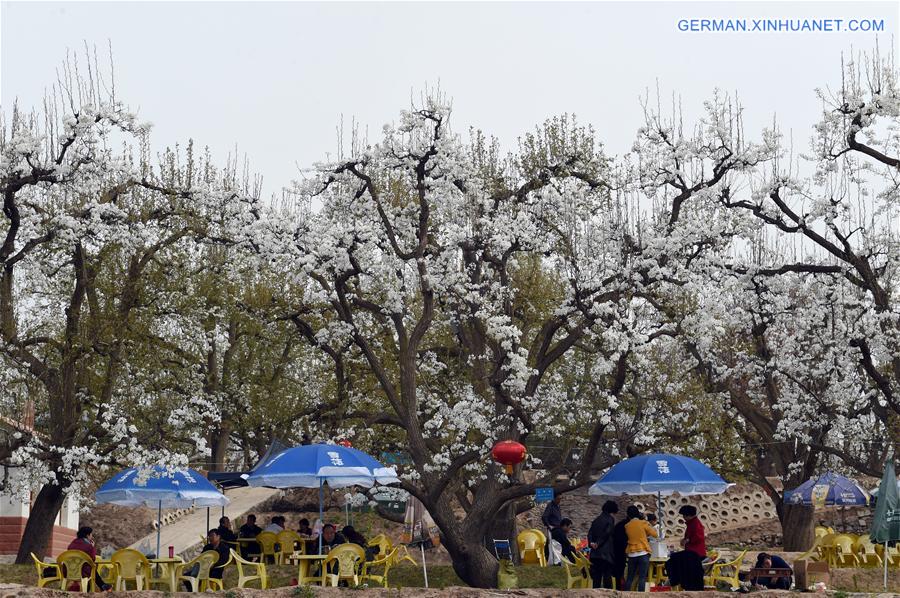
{"x":828,"y":489}
{"x":159,"y":486}
{"x":313,"y":465}
{"x":659,"y":474}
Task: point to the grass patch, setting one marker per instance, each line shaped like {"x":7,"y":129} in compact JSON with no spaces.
{"x":23,"y":574}
{"x":402,"y":576}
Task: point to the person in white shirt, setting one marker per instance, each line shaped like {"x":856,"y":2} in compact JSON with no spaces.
{"x":276,"y":524}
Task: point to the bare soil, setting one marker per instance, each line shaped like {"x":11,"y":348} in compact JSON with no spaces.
{"x":451,"y":592}
{"x":118,"y":526}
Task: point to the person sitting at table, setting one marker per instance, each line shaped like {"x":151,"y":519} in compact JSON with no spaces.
{"x":225,"y":530}
{"x":213,"y":542}
{"x":303,"y":527}
{"x":560,"y":533}
{"x":249,"y":529}
{"x":773,"y":561}
{"x":354,"y":537}
{"x":276,"y":524}
{"x":84,"y":541}
{"x":685,"y":567}
{"x":331,"y":538}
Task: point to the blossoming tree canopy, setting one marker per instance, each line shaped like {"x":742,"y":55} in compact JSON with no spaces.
{"x":94,"y":242}
{"x":431,"y":295}
{"x":491,"y":297}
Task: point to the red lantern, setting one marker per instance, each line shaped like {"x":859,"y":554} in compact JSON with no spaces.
{"x":345,"y":443}
{"x":508,"y":453}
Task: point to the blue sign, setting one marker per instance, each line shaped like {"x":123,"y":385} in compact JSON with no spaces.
{"x":543,"y":494}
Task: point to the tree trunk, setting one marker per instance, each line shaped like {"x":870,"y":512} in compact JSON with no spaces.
{"x":797,"y":527}
{"x":502,"y":527}
{"x":39,"y":528}
{"x":474,"y":564}
{"x":218,"y":442}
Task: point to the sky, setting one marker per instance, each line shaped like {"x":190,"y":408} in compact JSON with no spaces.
{"x":273,"y":80}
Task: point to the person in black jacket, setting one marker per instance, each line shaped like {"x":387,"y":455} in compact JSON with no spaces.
{"x":600,"y":539}
{"x":620,"y":542}
{"x":552,"y":516}
{"x":772,"y":561}
{"x":560,"y":533}
{"x":225,"y":531}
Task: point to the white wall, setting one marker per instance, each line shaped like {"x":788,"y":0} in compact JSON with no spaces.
{"x":12,"y":506}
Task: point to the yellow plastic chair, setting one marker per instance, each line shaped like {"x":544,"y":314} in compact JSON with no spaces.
{"x":41,"y":566}
{"x":866,"y":553}
{"x":403,"y":555}
{"x":382,"y":543}
{"x":820,"y":531}
{"x":726,"y":571}
{"x":892,"y":556}
{"x":346,"y":560}
{"x":255,"y":571}
{"x":578,"y":573}
{"x":385,"y":545}
{"x":385,"y":563}
{"x":70,"y":564}
{"x":288,"y":540}
{"x":827,"y":550}
{"x":315,"y":574}
{"x":845,"y":555}
{"x":131,"y":566}
{"x":267,"y":542}
{"x":201,"y":581}
{"x":814,"y":553}
{"x":531,"y":547}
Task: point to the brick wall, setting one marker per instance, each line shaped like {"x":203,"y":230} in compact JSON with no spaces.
{"x":11,"y":529}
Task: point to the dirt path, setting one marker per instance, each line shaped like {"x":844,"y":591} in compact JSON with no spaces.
{"x":11,"y":590}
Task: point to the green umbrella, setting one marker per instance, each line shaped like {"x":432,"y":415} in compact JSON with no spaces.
{"x":886,"y":523}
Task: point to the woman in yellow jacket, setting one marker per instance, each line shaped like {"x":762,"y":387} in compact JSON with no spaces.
{"x":638,"y":548}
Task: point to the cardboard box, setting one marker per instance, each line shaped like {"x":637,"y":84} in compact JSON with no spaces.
{"x":806,"y":573}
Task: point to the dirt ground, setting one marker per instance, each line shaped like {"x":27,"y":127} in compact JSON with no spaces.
{"x":118,"y":526}
{"x":452,"y":592}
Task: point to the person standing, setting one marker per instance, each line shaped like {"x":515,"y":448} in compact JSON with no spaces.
{"x":638,"y":548}
{"x":600,"y":539}
{"x":694,"y":533}
{"x":551,"y":518}
{"x":620,"y":542}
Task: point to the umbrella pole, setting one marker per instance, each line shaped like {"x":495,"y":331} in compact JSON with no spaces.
{"x":321,"y":513}
{"x":158,"y":527}
{"x":660,"y":514}
{"x":425,"y":569}
{"x":886,"y":559}
{"x":207,"y":522}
